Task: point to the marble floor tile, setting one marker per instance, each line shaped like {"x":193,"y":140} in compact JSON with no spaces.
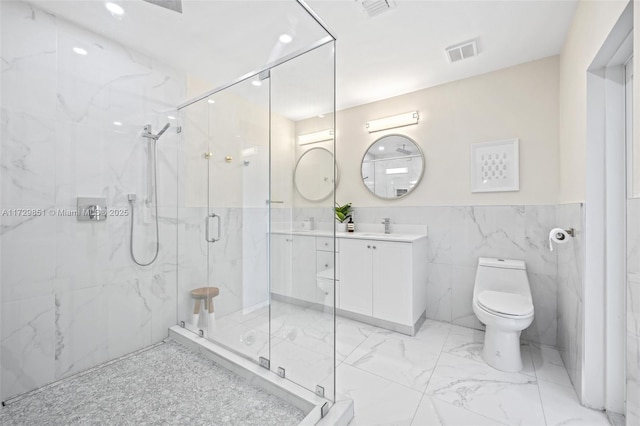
{"x":434,"y":412}
{"x":468,"y":343}
{"x":465,"y":342}
{"x":548,"y":365}
{"x":349,"y":335}
{"x":377,"y":401}
{"x":561,"y":407}
{"x":510,"y":398}
{"x":434,"y":332}
{"x":403,"y":359}
{"x":240,"y":337}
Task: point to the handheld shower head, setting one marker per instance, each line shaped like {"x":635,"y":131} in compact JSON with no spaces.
{"x":164,"y":129}
{"x":147,"y":132}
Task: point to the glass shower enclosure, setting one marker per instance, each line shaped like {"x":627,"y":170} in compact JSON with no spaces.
{"x":255,"y":257}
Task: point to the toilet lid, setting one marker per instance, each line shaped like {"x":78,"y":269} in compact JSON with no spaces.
{"x":505,"y":303}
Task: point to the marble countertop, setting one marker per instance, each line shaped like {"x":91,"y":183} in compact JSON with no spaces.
{"x":358,"y":235}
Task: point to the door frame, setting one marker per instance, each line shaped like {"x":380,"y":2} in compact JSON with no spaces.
{"x":604,"y":296}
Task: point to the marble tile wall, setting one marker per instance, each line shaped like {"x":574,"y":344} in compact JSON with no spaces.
{"x":633,"y":311}
{"x":71,"y":296}
{"x":569,"y":292}
{"x":459,"y":235}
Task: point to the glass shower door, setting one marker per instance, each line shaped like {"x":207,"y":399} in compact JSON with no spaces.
{"x":237,"y":217}
{"x":303,"y":266}
{"x":193,"y":249}
{"x":224,"y":287}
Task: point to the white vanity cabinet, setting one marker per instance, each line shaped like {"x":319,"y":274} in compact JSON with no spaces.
{"x":356,"y":276}
{"x":281,"y":248}
{"x":384,"y":280}
{"x":379,"y":279}
{"x":293,"y":260}
{"x":303,"y":271}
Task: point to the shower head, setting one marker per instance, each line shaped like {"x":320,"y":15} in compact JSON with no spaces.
{"x":175,"y":5}
{"x":146,"y":132}
{"x":164,"y":129}
{"x":402,"y":150}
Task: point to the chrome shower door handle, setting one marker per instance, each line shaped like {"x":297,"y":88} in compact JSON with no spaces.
{"x":206,"y":236}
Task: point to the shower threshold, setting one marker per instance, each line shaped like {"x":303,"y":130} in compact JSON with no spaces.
{"x":340,"y":413}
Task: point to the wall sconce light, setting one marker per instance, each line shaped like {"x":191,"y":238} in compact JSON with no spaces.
{"x":397,"y":171}
{"x":399,"y":120}
{"x":323,"y":135}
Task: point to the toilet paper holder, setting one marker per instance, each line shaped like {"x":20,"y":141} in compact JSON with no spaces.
{"x":559,"y":236}
{"x":571,"y":232}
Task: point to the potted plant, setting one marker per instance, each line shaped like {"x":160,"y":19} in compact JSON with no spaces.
{"x":343,"y":213}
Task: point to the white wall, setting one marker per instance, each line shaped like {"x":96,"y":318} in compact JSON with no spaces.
{"x":516,"y":102}
{"x":591,"y":25}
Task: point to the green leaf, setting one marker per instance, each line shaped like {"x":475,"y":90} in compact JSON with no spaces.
{"x":343,"y":212}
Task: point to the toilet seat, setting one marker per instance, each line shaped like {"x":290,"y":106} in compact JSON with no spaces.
{"x":505,"y":304}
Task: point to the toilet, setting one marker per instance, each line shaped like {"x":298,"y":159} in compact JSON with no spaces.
{"x":502,"y":301}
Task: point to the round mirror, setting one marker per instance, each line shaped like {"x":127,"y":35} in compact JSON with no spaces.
{"x":392,"y":166}
{"x":314,"y":173}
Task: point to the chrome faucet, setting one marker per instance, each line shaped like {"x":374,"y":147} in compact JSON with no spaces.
{"x":387,"y":225}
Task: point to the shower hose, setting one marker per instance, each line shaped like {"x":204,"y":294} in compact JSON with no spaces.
{"x":131,"y":204}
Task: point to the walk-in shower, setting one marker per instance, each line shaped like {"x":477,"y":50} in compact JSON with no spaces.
{"x":269,"y":307}
{"x":224,"y":253}
{"x":152,"y":192}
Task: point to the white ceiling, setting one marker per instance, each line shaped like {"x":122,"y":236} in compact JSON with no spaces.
{"x":402,"y":50}
{"x":397,"y":52}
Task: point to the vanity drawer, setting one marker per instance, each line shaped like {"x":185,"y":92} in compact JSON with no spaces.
{"x":326,"y":244}
{"x":325,"y":265}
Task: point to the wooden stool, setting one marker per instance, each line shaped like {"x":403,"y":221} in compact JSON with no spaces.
{"x":207,"y":294}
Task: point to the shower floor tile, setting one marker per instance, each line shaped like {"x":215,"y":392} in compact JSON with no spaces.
{"x":166,"y":384}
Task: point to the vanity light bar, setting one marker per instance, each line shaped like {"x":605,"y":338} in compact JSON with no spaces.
{"x":399,"y":120}
{"x":398,"y":171}
{"x":323,"y":135}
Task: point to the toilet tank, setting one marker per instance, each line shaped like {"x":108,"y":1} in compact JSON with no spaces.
{"x":509,"y":276}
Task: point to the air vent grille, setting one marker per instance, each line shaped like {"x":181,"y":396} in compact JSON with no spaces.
{"x":376,"y":7}
{"x":462,"y":51}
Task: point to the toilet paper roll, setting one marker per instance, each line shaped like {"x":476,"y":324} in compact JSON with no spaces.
{"x":558,"y":236}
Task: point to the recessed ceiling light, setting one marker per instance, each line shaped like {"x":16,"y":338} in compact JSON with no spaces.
{"x":114,"y":9}
{"x":256,"y":83}
{"x":171,"y":117}
{"x":211,"y":101}
{"x":285,"y":38}
{"x":321,"y":116}
{"x":80,"y":51}
{"x":117,"y":123}
{"x":381,"y":148}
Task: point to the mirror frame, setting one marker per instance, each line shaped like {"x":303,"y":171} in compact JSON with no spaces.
{"x":335,"y":172}
{"x":419,"y":177}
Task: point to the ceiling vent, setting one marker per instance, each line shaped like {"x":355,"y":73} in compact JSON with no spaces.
{"x":462,"y":51}
{"x":376,"y":7}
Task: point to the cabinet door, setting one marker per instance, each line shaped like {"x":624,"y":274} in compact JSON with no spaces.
{"x":303,"y":260}
{"x":355,"y":276}
{"x":392,"y":286}
{"x":281,"y":264}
